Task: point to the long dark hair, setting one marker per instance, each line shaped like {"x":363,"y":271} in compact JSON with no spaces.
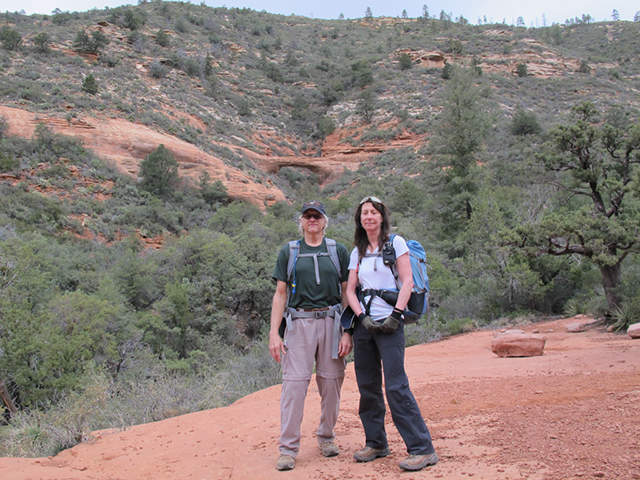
{"x":360,"y":239}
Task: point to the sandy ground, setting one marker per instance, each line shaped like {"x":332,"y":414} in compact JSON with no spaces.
{"x":573,"y":413}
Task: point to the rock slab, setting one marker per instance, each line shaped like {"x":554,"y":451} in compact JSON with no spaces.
{"x":518,"y":345}
{"x":634,"y":330}
{"x":576,"y":327}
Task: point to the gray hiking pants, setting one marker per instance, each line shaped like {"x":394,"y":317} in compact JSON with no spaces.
{"x":308,"y":342}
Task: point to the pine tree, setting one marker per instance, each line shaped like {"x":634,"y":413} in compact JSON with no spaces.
{"x":159,"y":172}
{"x":90,"y":85}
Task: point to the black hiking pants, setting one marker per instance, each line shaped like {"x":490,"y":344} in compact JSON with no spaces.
{"x":375,"y":353}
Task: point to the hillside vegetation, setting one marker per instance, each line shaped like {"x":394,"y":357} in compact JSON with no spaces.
{"x":510,"y":153}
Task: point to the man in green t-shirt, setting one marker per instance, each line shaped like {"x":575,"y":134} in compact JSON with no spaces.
{"x":310,"y":289}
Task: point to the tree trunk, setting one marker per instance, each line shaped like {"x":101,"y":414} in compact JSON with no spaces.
{"x":611,"y":281}
{"x":4,"y":393}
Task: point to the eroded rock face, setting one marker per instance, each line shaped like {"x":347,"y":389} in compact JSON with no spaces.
{"x":634,"y":330}
{"x":518,"y":345}
{"x":424,"y":58}
{"x":126,"y":144}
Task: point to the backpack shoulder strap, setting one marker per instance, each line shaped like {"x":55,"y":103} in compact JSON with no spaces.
{"x":333,"y":254}
{"x":294,"y":249}
{"x":394,"y":267}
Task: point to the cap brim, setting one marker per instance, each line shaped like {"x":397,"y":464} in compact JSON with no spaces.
{"x":314,"y":208}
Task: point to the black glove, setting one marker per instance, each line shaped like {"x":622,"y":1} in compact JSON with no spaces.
{"x":368,"y":322}
{"x":392,"y":322}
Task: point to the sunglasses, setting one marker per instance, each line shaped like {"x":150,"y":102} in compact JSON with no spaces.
{"x":370,"y":199}
{"x":315,"y":216}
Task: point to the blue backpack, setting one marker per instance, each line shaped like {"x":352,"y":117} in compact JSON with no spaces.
{"x":418,"y":303}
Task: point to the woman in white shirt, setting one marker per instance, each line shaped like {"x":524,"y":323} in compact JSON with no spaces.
{"x":378,"y":338}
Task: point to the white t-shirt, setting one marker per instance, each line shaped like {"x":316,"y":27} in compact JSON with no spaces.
{"x":373,"y":274}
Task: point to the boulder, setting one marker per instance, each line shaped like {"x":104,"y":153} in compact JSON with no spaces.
{"x":634,"y":330}
{"x":518,"y":345}
{"x":576,"y":327}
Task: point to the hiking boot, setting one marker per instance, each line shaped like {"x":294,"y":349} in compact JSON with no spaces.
{"x":286,"y":462}
{"x":329,"y":449}
{"x":367,"y":454}
{"x":418,"y":462}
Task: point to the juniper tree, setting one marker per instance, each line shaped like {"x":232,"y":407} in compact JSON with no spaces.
{"x":159,"y":172}
{"x":595,"y":169}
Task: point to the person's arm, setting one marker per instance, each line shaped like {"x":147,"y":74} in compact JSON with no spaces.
{"x":352,"y":297}
{"x":276,"y":345}
{"x":345,"y":299}
{"x":346,"y":342}
{"x":406,"y":278}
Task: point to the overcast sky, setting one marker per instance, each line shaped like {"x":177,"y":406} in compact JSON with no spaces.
{"x":534,"y":13}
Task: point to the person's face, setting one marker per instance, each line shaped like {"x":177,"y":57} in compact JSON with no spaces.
{"x":312,"y":221}
{"x":370,"y":218}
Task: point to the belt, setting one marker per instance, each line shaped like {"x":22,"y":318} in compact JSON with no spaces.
{"x":312,"y":312}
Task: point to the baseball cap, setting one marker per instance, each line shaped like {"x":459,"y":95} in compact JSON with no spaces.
{"x":314,"y":205}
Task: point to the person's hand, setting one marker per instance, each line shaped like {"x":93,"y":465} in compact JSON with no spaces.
{"x":368,"y":322}
{"x":346,"y":345}
{"x":392,"y":322}
{"x":276,"y":346}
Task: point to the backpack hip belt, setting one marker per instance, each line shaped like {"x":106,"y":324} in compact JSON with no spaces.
{"x":316,"y":313}
{"x":335,"y":312}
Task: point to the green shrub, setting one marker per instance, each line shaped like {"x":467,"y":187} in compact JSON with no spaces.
{"x":244,"y":108}
{"x":455,"y":46}
{"x":405,"y":62}
{"x":584,"y":67}
{"x":374,"y":134}
{"x":10,"y":38}
{"x":362,"y":75}
{"x":181,"y":25}
{"x":90,"y":44}
{"x":447,"y":71}
{"x":162,"y":38}
{"x":4,"y":126}
{"x":41,"y":42}
{"x":525,"y":123}
{"x":30,"y":91}
{"x":134,"y":18}
{"x":521,"y":69}
{"x":190,"y":66}
{"x":61,"y":18}
{"x":8,"y":164}
{"x":272,"y":71}
{"x":327,"y":126}
{"x":158,"y":70}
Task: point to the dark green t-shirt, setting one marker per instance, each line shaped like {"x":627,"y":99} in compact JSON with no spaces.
{"x":308,"y":293}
